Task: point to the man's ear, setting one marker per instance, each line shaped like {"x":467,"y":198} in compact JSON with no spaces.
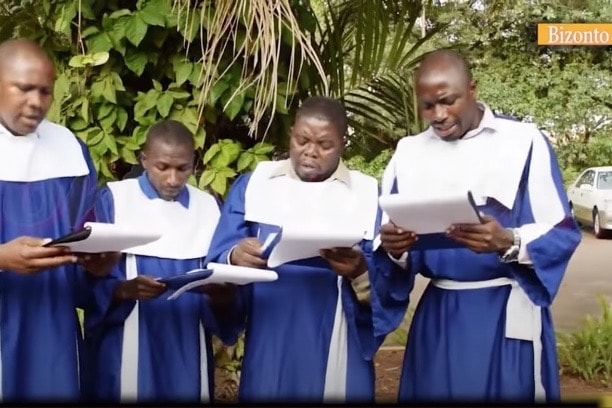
{"x":142,"y":158}
{"x":473,"y":88}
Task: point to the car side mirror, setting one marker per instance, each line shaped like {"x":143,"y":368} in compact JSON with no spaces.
{"x":586,"y":187}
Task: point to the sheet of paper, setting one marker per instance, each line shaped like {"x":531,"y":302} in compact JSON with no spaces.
{"x":429,"y":215}
{"x":222,"y":273}
{"x":305,"y":242}
{"x":106,"y":237}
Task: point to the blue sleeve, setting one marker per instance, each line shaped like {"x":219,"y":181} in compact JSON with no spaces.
{"x":391,"y":286}
{"x":101,"y":309}
{"x":83,"y":194}
{"x":545,"y":223}
{"x":232,"y":226}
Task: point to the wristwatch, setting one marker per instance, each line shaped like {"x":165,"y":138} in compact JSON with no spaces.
{"x":511,"y":255}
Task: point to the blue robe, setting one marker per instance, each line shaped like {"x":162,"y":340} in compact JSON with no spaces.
{"x":457,"y":349}
{"x":39,"y":329}
{"x":290,"y":321}
{"x":169,"y":343}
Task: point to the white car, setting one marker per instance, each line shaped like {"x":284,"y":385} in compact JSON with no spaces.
{"x":590,"y":199}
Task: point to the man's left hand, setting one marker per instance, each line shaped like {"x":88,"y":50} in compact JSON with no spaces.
{"x":489,"y":236}
{"x":99,"y":265}
{"x":347,"y":262}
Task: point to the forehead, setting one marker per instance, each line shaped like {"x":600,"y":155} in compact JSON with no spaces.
{"x":24,"y":69}
{"x":162,"y":150}
{"x":311,"y":125}
{"x":439,"y":83}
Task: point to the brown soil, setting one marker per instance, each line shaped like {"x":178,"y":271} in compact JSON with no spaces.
{"x":388,"y":363}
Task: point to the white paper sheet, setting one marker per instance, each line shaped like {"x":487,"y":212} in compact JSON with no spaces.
{"x":223,"y":273}
{"x":304,"y":242}
{"x":428,"y":215}
{"x":107,"y":237}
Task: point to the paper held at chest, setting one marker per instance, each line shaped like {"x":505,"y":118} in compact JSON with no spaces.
{"x":223,"y":273}
{"x":429,"y":215}
{"x":305,"y":242}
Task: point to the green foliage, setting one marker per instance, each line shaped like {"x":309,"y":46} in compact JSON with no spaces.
{"x":565,"y":90}
{"x":575,"y":157}
{"x":587,"y":353}
{"x":122,"y":69}
{"x":374,"y":167}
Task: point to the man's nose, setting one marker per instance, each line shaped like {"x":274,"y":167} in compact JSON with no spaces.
{"x":440,"y":113}
{"x":311,"y":150}
{"x":174,"y":178}
{"x":35,"y":99}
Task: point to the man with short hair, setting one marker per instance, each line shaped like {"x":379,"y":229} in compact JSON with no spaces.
{"x":309,"y":334}
{"x":142,"y":347}
{"x":482,"y":330}
{"x":47,"y":189}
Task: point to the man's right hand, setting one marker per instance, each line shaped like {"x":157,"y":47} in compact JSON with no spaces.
{"x":395,"y":240}
{"x":27,"y":255}
{"x":248,"y":253}
{"x":141,"y":287}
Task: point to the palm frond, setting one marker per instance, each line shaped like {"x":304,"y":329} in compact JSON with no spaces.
{"x":252,"y":33}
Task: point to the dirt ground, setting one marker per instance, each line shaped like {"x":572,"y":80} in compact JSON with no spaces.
{"x":388,"y":363}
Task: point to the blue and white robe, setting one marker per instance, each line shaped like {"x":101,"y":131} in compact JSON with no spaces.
{"x":47,"y":189}
{"x":482,"y":330}
{"x":155,"y":350}
{"x":308,"y":339}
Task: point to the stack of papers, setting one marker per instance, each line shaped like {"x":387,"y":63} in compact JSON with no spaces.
{"x":430,"y":217}
{"x":295,"y":243}
{"x":217,"y":273}
{"x":97,"y":237}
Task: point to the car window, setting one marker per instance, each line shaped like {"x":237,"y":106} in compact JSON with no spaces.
{"x":587,"y":178}
{"x":604,"y":180}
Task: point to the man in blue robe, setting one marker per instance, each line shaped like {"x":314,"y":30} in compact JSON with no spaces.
{"x":309,"y":335}
{"x":482,"y":330}
{"x":47,"y":189}
{"x":142,"y":347}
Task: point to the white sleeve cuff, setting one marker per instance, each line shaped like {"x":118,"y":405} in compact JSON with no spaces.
{"x":529,"y":233}
{"x":229,"y":255}
{"x":402,"y":262}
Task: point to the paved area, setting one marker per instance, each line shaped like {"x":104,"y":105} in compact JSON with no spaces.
{"x":589,"y":274}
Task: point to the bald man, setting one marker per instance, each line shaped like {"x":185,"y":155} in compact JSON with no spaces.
{"x":47,"y":189}
{"x":482,"y":330}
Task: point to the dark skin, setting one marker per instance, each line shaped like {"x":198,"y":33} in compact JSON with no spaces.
{"x":315,"y":146}
{"x":27,"y":77}
{"x":168,"y":167}
{"x":447,"y":100}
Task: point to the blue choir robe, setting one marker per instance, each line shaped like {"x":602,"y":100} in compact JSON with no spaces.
{"x":47,"y":189}
{"x":482,"y":330}
{"x":308,"y":338}
{"x":154,"y":350}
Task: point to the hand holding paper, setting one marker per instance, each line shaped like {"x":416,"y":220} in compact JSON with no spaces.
{"x":141,"y":287}
{"x":248,"y":253}
{"x":395,"y":240}
{"x":489,"y":236}
{"x":347,"y":262}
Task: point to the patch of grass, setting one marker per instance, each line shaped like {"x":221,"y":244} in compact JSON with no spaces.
{"x":587,"y":352}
